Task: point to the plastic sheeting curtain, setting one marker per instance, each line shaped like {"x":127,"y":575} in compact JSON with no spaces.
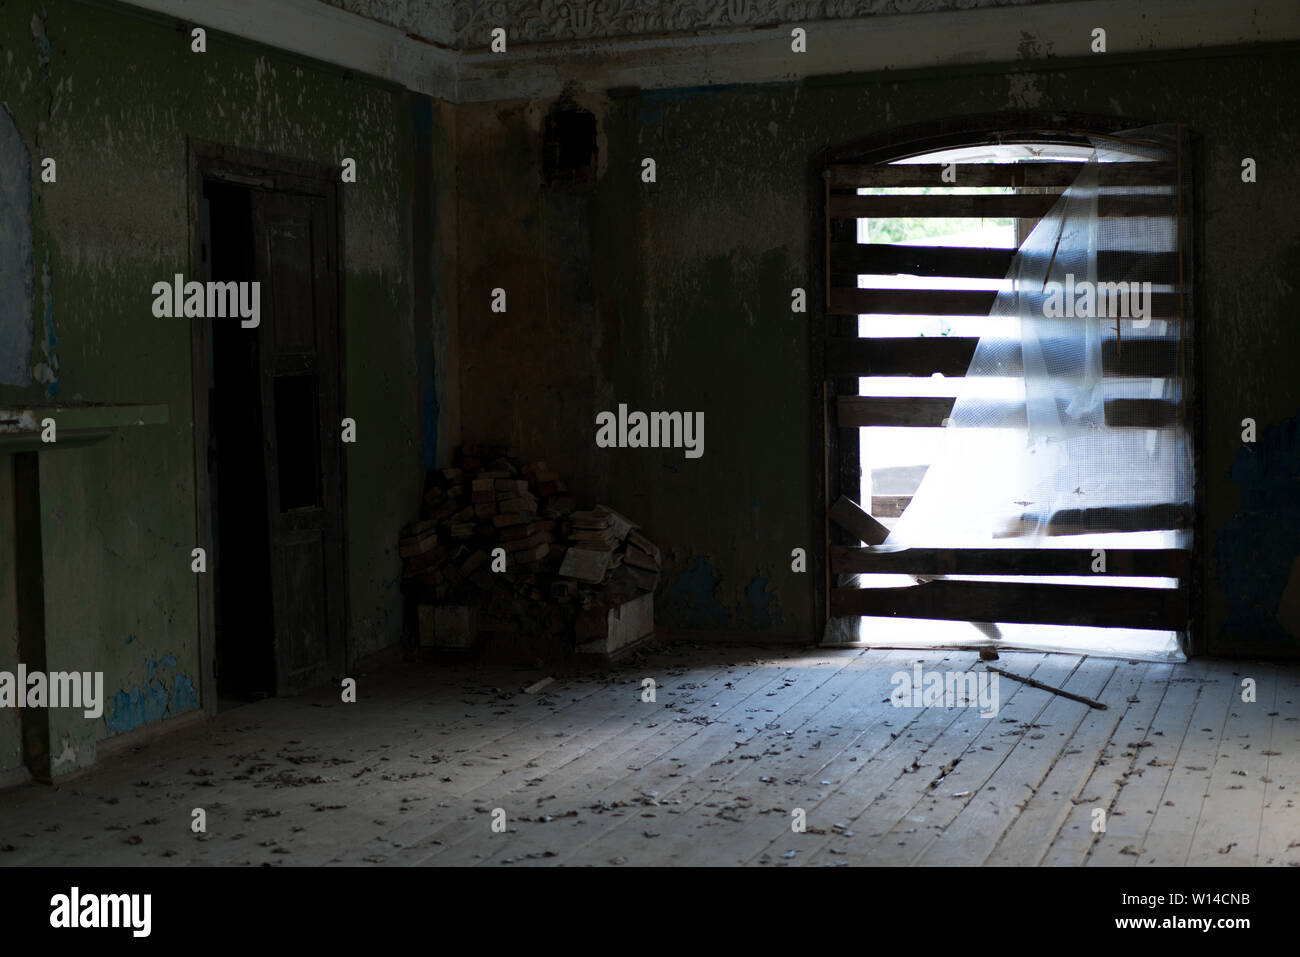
{"x":1044,"y":440}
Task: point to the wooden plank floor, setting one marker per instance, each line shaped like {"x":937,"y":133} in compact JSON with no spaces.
{"x":738,"y":745}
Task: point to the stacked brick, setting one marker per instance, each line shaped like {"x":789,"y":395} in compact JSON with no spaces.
{"x":497,"y":535}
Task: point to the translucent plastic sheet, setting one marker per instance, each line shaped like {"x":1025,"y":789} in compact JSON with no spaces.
{"x":1037,"y":451}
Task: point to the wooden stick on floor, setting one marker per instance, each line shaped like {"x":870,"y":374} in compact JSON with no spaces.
{"x":1038,"y":684}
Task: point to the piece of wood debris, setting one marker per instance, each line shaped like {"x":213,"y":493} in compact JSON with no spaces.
{"x":1038,"y":684}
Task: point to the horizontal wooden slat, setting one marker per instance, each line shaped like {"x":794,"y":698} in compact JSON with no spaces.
{"x":889,"y":506}
{"x":1141,"y":413}
{"x":1097,"y":605}
{"x":947,"y":302}
{"x":848,"y":515}
{"x":1013,"y":206}
{"x":909,"y":356}
{"x":1122,"y":562}
{"x":860,"y":411}
{"x":1148,"y":358}
{"x":917,"y":302}
{"x":893,"y":259}
{"x":951,"y":356}
{"x":881,"y":175}
{"x":1123,"y":518}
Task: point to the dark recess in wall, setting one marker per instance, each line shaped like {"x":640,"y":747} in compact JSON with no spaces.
{"x":569,"y":146}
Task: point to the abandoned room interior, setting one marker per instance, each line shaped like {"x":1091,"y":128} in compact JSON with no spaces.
{"x":649,"y":434}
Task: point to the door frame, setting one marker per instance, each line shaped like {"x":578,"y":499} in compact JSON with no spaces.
{"x":257,"y":170}
{"x":835,"y":464}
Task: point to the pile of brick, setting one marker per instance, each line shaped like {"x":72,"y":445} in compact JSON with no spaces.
{"x":501,"y":537}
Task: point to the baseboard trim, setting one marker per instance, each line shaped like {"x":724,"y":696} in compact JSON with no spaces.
{"x":14,"y":777}
{"x":137,"y":738}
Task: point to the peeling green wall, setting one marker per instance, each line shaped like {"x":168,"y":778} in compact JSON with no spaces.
{"x":113,"y":96}
{"x":685,"y":304}
{"x":11,"y":755}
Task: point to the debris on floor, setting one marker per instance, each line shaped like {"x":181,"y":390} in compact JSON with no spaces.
{"x":503,"y":559}
{"x":537,"y":686}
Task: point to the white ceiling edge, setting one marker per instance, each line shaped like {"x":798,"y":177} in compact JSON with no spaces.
{"x":322,"y":32}
{"x":902,"y":42}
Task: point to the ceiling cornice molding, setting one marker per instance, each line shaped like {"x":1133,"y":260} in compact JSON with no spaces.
{"x":999,"y":34}
{"x":549,"y":21}
{"x":323,"y":32}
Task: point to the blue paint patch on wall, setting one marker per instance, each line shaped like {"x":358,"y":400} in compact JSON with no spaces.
{"x":151,"y":701}
{"x":51,"y":340}
{"x":1254,"y":552}
{"x":16,"y":263}
{"x":184,"y":695}
{"x":692,"y":598}
{"x":43,"y":45}
{"x":650,"y":116}
{"x":136,"y":707}
{"x":764,"y":610}
{"x":683,"y":93}
{"x":651,"y":103}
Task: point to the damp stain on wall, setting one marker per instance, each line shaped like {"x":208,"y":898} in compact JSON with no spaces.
{"x":1255,"y":552}
{"x":760,"y":608}
{"x":691,"y":599}
{"x":15,"y":255}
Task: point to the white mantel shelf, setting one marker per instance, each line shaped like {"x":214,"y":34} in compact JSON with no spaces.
{"x":76,"y":423}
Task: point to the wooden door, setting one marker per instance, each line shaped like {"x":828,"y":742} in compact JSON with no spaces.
{"x":300,"y":386}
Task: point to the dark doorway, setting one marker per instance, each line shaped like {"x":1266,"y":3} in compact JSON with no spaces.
{"x":274,"y":466}
{"x":241,"y":551}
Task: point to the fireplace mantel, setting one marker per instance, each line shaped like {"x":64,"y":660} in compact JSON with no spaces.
{"x":76,"y":423}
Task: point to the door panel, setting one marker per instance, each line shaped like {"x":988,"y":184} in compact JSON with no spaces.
{"x":300,"y":403}
{"x":289,"y":244}
{"x":302,"y":644}
{"x":298,"y":458}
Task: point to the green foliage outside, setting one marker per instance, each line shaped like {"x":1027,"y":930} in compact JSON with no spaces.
{"x":920,"y":227}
